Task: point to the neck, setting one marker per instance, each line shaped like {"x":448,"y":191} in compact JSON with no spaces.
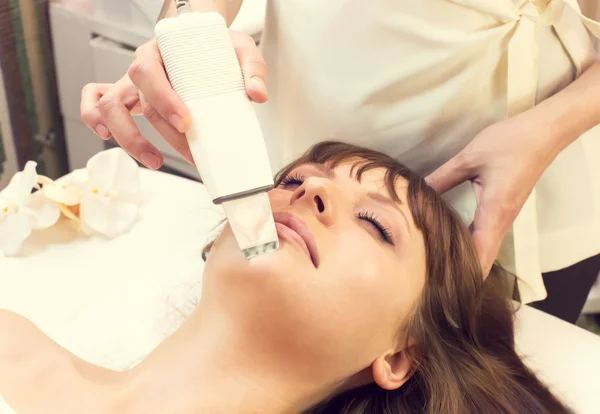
{"x":205,"y":367}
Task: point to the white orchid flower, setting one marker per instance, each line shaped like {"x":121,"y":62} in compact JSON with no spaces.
{"x":66,"y":192}
{"x":21,"y":211}
{"x":104,"y":198}
{"x":111,"y":198}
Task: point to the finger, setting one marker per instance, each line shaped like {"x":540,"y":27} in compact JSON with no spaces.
{"x":120,"y":122}
{"x":253,"y":65}
{"x":458,"y":169}
{"x":148,"y":74}
{"x":133,"y":104}
{"x":484,"y":251}
{"x":90,"y":114}
{"x":174,"y":138}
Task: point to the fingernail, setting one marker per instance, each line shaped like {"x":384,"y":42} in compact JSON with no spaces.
{"x":150,"y":160}
{"x":257,"y":83}
{"x":102,"y":131}
{"x":177,"y":122}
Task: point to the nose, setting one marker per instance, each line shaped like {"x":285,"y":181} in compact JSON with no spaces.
{"x":316,"y":196}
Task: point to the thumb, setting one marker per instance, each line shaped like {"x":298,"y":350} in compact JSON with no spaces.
{"x":450,"y":174}
{"x":487,"y":237}
{"x":253,"y":65}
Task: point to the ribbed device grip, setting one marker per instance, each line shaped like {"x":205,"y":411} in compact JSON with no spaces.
{"x":224,"y":137}
{"x":199,"y":58}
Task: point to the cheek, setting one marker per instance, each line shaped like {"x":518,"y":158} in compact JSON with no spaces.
{"x":361,"y":257}
{"x":279,"y":198}
{"x":362,"y":288}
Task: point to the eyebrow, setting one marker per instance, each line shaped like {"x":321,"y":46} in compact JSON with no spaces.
{"x":389,"y":202}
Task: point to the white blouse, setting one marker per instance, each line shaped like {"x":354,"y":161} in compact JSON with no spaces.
{"x":419,"y":79}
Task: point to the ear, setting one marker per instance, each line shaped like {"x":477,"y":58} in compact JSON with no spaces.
{"x":392,"y":369}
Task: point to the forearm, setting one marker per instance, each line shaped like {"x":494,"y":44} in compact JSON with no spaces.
{"x":569,"y":113}
{"x":227,"y":8}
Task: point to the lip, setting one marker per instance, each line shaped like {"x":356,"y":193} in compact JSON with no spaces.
{"x":295,"y":230}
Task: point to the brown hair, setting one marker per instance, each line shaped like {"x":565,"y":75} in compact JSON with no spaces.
{"x":466,"y":360}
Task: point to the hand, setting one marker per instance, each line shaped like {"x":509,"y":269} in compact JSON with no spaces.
{"x":108,"y":108}
{"x":503,"y":162}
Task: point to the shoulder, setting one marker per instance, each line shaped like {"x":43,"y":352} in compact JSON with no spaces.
{"x":30,"y":360}
{"x":10,"y":320}
{"x":14,"y":330}
{"x":19,"y":336}
{"x":24,"y":348}
{"x":29,"y":357}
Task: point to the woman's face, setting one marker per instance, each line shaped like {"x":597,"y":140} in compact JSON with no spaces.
{"x":333,"y":297}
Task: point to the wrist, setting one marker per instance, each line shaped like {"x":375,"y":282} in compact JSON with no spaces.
{"x":558,"y":127}
{"x":543,"y":137}
{"x":571,"y":112}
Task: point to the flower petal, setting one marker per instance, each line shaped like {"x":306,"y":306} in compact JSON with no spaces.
{"x":76,"y":177}
{"x":4,"y":208}
{"x":14,"y":229}
{"x":67,"y":194}
{"x":66,"y":190}
{"x":87,"y":230}
{"x":41,"y":211}
{"x":114,"y":171}
{"x":20,"y":185}
{"x":110,"y":217}
{"x":69,"y":213}
{"x":42,"y":179}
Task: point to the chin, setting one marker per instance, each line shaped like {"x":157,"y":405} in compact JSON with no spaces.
{"x":251,"y":291}
{"x":226,"y":256}
{"x":269,"y":267}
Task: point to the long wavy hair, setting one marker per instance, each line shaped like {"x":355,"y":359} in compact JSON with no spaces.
{"x":463,"y":326}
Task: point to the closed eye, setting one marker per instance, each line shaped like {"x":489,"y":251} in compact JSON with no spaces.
{"x":292,"y":180}
{"x":385,"y":233}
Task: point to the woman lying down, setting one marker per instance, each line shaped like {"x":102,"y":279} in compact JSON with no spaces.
{"x":375,"y":303}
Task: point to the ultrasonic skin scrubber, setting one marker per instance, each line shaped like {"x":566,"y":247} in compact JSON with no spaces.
{"x":225,"y":137}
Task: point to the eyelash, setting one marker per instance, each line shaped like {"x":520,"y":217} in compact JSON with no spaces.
{"x":386,"y":235}
{"x":293,"y":179}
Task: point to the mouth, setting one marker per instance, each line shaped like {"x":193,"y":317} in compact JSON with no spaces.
{"x":292,"y":228}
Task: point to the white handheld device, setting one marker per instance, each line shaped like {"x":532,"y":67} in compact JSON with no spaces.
{"x":225,"y":136}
